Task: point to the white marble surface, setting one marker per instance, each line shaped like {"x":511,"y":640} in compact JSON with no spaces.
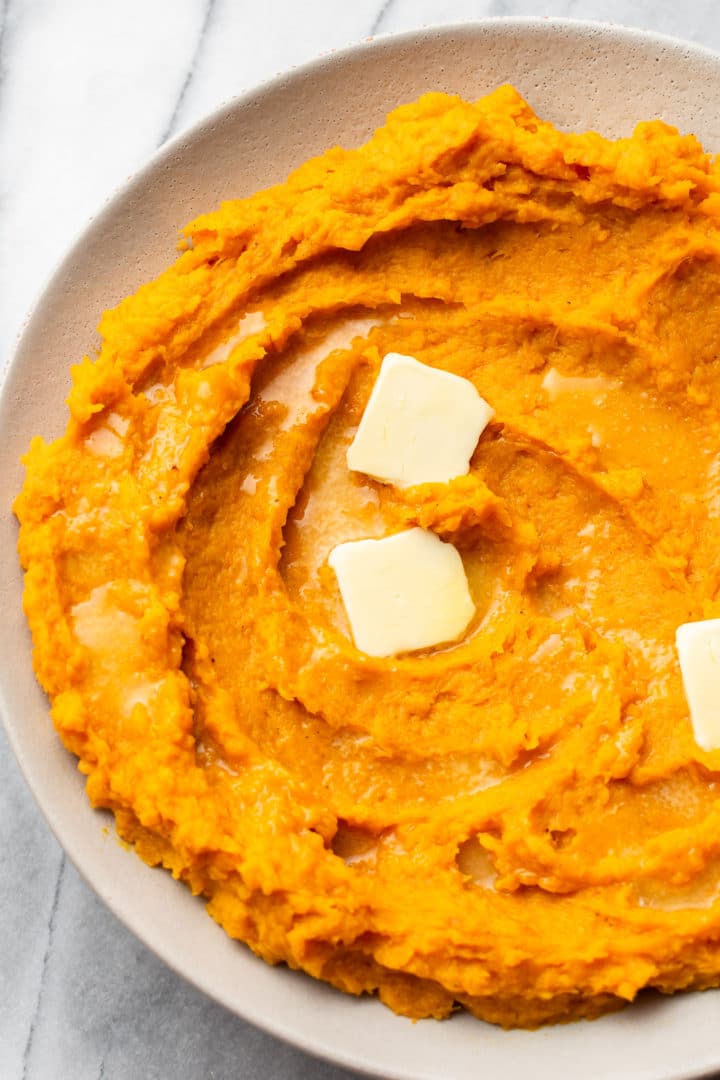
{"x":88,"y":89}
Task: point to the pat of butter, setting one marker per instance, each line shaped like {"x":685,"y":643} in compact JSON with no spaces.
{"x":698,"y":646}
{"x":404,"y":592}
{"x":420,"y":425}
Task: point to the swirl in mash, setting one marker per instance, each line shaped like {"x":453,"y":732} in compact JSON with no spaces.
{"x":521,"y":822}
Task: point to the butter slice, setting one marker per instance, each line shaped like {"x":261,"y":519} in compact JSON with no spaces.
{"x":698,"y":646}
{"x":420,"y":425}
{"x":404,"y":592}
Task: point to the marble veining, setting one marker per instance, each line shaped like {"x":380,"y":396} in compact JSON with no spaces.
{"x":87,"y":92}
{"x":381,"y":17}
{"x":190,"y":73}
{"x":46,"y":957}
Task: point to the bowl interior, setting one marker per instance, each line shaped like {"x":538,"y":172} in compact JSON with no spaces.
{"x":579,"y":75}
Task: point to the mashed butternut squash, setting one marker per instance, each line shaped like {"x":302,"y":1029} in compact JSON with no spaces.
{"x":521,"y":823}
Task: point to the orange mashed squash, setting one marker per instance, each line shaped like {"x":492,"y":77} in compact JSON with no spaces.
{"x":520,"y":823}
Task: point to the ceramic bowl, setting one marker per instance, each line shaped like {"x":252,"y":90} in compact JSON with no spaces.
{"x":578,"y":75}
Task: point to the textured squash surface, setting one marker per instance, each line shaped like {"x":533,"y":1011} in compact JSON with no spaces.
{"x":521,"y":823}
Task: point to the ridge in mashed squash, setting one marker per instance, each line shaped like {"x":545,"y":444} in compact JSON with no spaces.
{"x":520,"y":823}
